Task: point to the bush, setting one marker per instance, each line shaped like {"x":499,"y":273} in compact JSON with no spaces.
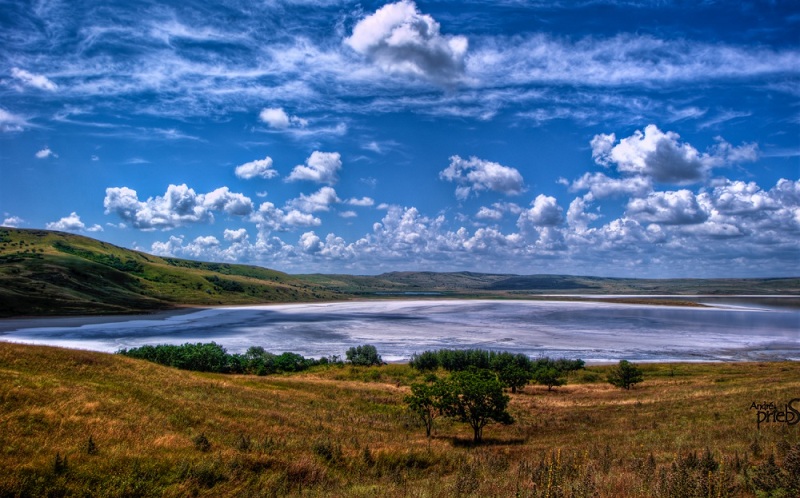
{"x":625,"y":375}
{"x":550,"y":377}
{"x":365,"y":355}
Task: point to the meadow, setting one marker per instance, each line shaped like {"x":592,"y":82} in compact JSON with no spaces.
{"x":85,"y":423}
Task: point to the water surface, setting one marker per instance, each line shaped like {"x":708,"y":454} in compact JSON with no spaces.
{"x":591,"y":331}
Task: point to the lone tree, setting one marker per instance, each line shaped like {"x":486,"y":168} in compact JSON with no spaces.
{"x":365,"y":355}
{"x":475,"y":397}
{"x":625,"y":375}
{"x":425,"y":402}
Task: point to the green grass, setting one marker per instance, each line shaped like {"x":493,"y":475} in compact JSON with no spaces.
{"x":344,"y":431}
{"x":52,"y":273}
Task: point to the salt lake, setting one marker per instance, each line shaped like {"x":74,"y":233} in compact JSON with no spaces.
{"x":589,"y":330}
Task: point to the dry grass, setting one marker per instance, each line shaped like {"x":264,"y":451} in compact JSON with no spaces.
{"x":344,"y":431}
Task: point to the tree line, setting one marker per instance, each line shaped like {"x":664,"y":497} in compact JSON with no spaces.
{"x":212,"y":357}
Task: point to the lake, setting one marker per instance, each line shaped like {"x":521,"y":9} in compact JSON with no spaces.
{"x":595,"y":332}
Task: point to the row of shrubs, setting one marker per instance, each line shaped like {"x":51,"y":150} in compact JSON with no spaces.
{"x":212,"y":357}
{"x":513,"y":370}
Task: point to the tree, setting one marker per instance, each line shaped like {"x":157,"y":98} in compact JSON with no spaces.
{"x":475,"y":397}
{"x":425,"y":402}
{"x":625,"y":375}
{"x":550,"y":377}
{"x":514,"y":377}
{"x":365,"y":355}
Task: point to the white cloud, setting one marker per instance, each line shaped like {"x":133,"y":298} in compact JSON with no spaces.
{"x":45,"y":153}
{"x":179,"y":206}
{"x":663,"y":157}
{"x":475,"y":175}
{"x":310,"y":243}
{"x":72,"y":223}
{"x":348,"y":214}
{"x":400,"y":39}
{"x":363,"y":202}
{"x":668,"y":208}
{"x":239,"y":235}
{"x":12,"y":221}
{"x":277,"y":118}
{"x":602,"y":186}
{"x":577,"y":217}
{"x":321,"y":200}
{"x":34,"y":80}
{"x":544,"y":211}
{"x":11,"y":122}
{"x":259,"y":168}
{"x":320,"y":167}
{"x":485,"y":213}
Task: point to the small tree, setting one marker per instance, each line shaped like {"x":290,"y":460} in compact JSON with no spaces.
{"x":514,"y":377}
{"x":365,"y":355}
{"x":425,"y":402}
{"x":625,"y":375}
{"x":550,"y":377}
{"x":475,"y":397}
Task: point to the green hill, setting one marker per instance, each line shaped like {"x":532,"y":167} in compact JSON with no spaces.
{"x":53,"y":273}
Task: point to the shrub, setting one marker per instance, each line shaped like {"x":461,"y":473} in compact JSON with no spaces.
{"x":365,"y":355}
{"x":625,"y":375}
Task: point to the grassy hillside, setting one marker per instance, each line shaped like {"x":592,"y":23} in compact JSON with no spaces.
{"x":44,"y":272}
{"x":54,"y":273}
{"x":345,"y":432}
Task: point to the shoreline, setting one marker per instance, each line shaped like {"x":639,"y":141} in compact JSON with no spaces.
{"x":10,"y":324}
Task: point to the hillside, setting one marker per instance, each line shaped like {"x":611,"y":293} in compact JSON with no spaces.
{"x":344,"y":431}
{"x":53,"y":273}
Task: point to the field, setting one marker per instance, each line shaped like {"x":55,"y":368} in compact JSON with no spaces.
{"x":85,"y":423}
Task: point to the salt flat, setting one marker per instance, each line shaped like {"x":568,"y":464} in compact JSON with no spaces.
{"x":398,"y":328}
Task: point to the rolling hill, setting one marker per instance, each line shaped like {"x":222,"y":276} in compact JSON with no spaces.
{"x":53,"y":273}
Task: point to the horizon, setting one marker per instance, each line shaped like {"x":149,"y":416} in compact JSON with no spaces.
{"x":602,"y":139}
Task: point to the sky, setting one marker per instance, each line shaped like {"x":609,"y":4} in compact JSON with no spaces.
{"x":589,"y":137}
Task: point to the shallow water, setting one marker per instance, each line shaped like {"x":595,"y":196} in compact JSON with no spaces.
{"x":591,"y":331}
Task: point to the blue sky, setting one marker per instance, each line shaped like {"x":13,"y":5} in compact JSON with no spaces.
{"x":610,"y":138}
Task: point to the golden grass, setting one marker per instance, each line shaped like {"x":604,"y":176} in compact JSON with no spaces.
{"x":345,"y":431}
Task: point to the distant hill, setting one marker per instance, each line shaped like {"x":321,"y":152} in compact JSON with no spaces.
{"x":54,"y":273}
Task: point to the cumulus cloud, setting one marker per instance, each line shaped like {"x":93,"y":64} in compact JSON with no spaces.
{"x":320,"y":167}
{"x":485,"y":213}
{"x":276,"y":118}
{"x":663,"y":157}
{"x":269,"y":218}
{"x":363,"y":202}
{"x":12,"y":221}
{"x":45,"y":153}
{"x":475,"y":175}
{"x":321,"y":200}
{"x":601,"y":186}
{"x":180,"y":205}
{"x":72,"y":223}
{"x":668,"y":208}
{"x":33,"y":80}
{"x":239,"y":235}
{"x":310,"y":243}
{"x":544,"y":211}
{"x":259,"y":168}
{"x":398,"y":38}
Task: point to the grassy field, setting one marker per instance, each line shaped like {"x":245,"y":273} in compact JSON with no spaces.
{"x":344,"y":431}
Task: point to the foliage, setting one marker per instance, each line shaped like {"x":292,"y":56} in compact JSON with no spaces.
{"x":365,"y":355}
{"x":211,"y":357}
{"x":475,"y":397}
{"x":625,"y":375}
{"x":513,"y":370}
{"x":425,"y":402}
{"x":550,"y":377}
